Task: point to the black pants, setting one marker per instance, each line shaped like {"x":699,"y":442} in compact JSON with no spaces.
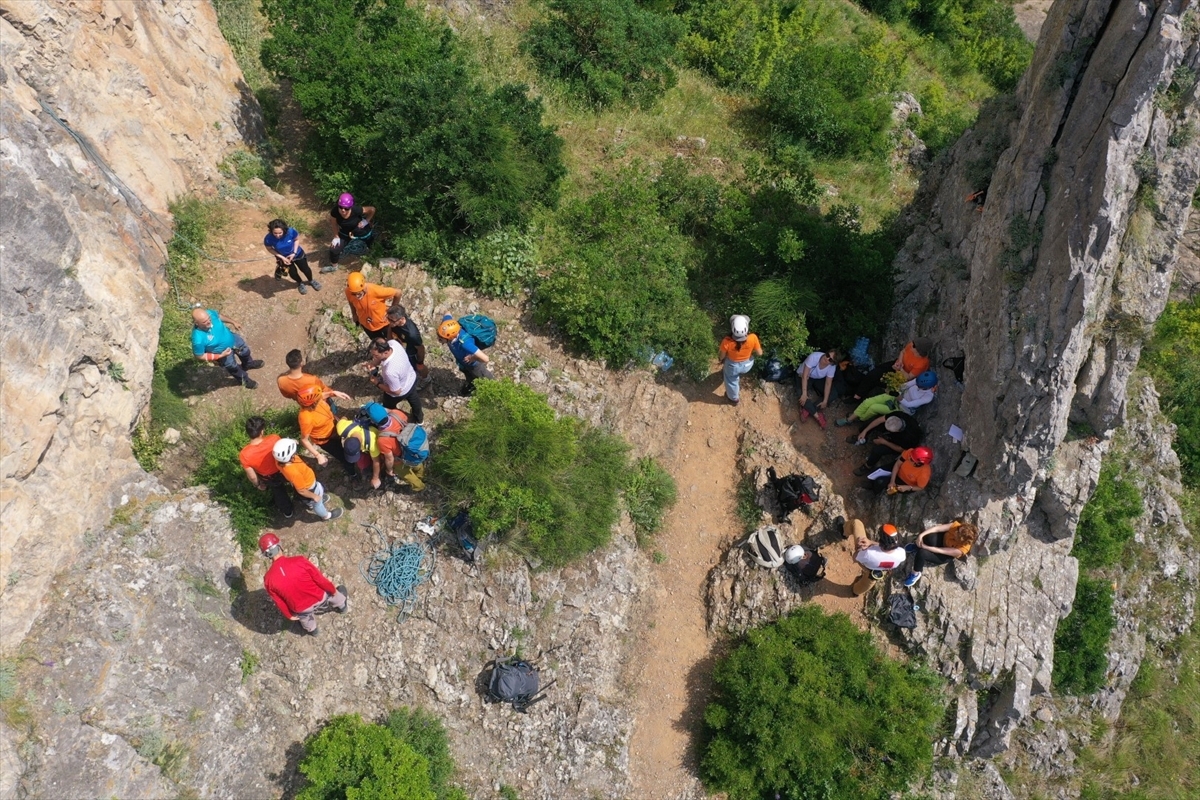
{"x":412,"y":398}
{"x":474,"y":371}
{"x":924,"y":558}
{"x":816,"y":392}
{"x":881,"y":456}
{"x":278,"y":487}
{"x":335,"y":253}
{"x":298,"y":265}
{"x":335,"y":449}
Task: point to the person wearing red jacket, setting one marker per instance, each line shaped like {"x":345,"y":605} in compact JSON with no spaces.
{"x":298,"y":587}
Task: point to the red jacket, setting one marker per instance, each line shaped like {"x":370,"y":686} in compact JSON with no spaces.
{"x":295,"y":584}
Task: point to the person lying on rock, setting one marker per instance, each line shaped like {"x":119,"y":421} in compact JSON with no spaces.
{"x":889,"y":436}
{"x":822,"y":367}
{"x":298,"y":588}
{"x":915,"y":393}
{"x":351,"y":223}
{"x":283,"y":242}
{"x":912,"y":361}
{"x":212,"y":340}
{"x":939,"y":544}
{"x":910,"y":473}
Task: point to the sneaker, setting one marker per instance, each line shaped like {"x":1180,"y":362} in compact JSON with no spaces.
{"x":425,"y":382}
{"x":841,"y":423}
{"x":346,"y":595}
{"x":337,"y":512}
{"x":255,"y":364}
{"x":328,"y":268}
{"x":804,"y":415}
{"x":280,"y":275}
{"x":861,"y":471}
{"x":853,"y":439}
{"x":733,"y":402}
{"x":249,"y":382}
{"x":302,"y":288}
{"x":912,"y":579}
{"x":821,"y":420}
{"x":316,"y":285}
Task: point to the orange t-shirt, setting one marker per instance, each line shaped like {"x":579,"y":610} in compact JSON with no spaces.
{"x":913,"y":362}
{"x":291,"y":387}
{"x":911,"y":474}
{"x":259,"y":457}
{"x":370,"y":310}
{"x":950,"y":539}
{"x":389,"y":444}
{"x":731,"y":351}
{"x":316,"y":423}
{"x":299,"y":474}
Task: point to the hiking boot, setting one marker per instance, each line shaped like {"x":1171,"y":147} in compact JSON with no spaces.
{"x":302,"y":288}
{"x":424,"y":383}
{"x":824,"y":423}
{"x":249,"y":382}
{"x":280,"y":275}
{"x":346,"y":595}
{"x":804,"y":415}
{"x":861,"y":471}
{"x":328,"y":268}
{"x":313,"y":632}
{"x":912,"y":579}
{"x":316,"y":285}
{"x":255,"y":364}
{"x":337,"y":512}
{"x":841,"y":423}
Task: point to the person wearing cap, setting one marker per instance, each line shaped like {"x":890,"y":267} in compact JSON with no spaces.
{"x":913,"y":394}
{"x":736,"y":355}
{"x":296,"y":380}
{"x":303,"y":479}
{"x":317,"y":419}
{"x":910,"y":473}
{"x":360,"y":447}
{"x":819,"y":366}
{"x":298,"y":588}
{"x":893,"y":434}
{"x":351,"y":222}
{"x":876,"y":558}
{"x":390,"y":370}
{"x":912,"y":361}
{"x":212,"y":340}
{"x":404,"y":330}
{"x":369,"y":303}
{"x":939,"y":544}
{"x":258,"y":461}
{"x":471,"y":360}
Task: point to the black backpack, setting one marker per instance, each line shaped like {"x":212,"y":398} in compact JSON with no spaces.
{"x":957,"y":365}
{"x":809,"y":571}
{"x":793,"y":491}
{"x":464,"y":533}
{"x":515,"y":681}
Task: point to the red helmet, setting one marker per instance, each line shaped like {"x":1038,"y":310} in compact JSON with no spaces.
{"x":267,"y":542}
{"x":921,"y":456}
{"x":309,"y":396}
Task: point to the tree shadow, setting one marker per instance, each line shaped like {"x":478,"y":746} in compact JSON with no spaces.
{"x":699,"y":686}
{"x":289,"y":779}
{"x":266,"y":286}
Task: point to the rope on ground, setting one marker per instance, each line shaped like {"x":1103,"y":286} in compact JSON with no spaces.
{"x":397,"y":569}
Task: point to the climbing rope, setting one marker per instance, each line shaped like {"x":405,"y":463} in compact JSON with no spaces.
{"x":397,"y":570}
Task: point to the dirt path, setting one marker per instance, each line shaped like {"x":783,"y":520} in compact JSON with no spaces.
{"x":676,"y":654}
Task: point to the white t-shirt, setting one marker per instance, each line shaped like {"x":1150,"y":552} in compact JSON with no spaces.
{"x":876,"y":558}
{"x":396,"y":371}
{"x":913,"y":397}
{"x":813,"y":362}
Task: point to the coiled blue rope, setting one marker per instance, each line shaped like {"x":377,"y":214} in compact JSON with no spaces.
{"x":397,"y":570}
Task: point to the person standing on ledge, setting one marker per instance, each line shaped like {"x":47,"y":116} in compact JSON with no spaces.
{"x":352,"y":223}
{"x":212,"y":340}
{"x":290,"y":259}
{"x":298,"y":588}
{"x":737,"y":354}
{"x":369,"y":304}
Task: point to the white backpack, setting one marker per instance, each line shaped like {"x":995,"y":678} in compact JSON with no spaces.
{"x":766,"y":547}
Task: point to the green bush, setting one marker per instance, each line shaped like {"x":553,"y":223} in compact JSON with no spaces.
{"x":1173,"y":358}
{"x":649,"y":492}
{"x":349,"y":759}
{"x":249,"y":509}
{"x":617,"y":280}
{"x":499,"y":264}
{"x":1104,"y":525}
{"x":773,"y":307}
{"x":545,"y":484}
{"x":808,"y":707}
{"x":607,"y":51}
{"x":400,"y":117}
{"x":1081,"y":641}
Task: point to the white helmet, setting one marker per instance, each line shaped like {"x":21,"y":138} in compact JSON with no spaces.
{"x":794,"y":554}
{"x":284,"y":450}
{"x":739,"y":324}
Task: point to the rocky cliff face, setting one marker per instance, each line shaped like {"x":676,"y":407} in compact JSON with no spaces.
{"x":153,"y":89}
{"x":1049,"y":290}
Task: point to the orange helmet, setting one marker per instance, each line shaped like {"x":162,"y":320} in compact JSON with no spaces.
{"x":449,"y":328}
{"x":355,"y":282}
{"x":309,"y":396}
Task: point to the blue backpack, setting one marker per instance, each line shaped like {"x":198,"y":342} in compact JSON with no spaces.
{"x":414,"y":444}
{"x":480,"y":327}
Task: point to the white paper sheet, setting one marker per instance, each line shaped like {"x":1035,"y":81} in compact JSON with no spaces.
{"x":956,"y":433}
{"x":879,"y":473}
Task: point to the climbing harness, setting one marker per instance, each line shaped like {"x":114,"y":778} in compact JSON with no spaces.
{"x":397,"y":570}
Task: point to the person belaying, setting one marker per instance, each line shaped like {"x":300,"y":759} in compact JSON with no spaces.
{"x":470,"y":358}
{"x":212,"y":340}
{"x":736,"y":355}
{"x":352,"y":223}
{"x":283,"y":242}
{"x":298,"y":588}
{"x":939,"y":544}
{"x":368,"y":303}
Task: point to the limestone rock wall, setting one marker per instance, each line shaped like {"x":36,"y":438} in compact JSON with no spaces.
{"x":152,"y":87}
{"x":1050,"y":291}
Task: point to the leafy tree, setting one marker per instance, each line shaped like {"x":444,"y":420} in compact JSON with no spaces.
{"x":808,"y":707}
{"x":1104,"y":526}
{"x":548,"y":485}
{"x":399,"y":117}
{"x":1081,"y":641}
{"x":605,"y":50}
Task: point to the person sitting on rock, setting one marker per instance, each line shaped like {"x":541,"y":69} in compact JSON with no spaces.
{"x":939,"y":544}
{"x":736,"y":355}
{"x":352,"y":223}
{"x":913,"y":394}
{"x":298,"y":588}
{"x":912,"y":361}
{"x":893,"y":434}
{"x":819,"y":366}
{"x":212,"y":340}
{"x":404,"y":330}
{"x":910,"y":473}
{"x":283,"y":242}
{"x":258,"y":461}
{"x":875,"y":558}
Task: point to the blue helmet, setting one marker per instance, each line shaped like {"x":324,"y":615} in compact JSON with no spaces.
{"x":377,"y":413}
{"x":927,"y":379}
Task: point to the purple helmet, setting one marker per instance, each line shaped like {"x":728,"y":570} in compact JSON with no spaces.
{"x":346,"y":200}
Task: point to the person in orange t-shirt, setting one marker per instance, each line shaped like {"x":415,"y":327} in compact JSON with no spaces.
{"x":258,"y":462}
{"x":914,"y":358}
{"x":910,"y":473}
{"x":302,"y":479}
{"x":737,"y":354}
{"x":367,"y":303}
{"x":296,"y":380}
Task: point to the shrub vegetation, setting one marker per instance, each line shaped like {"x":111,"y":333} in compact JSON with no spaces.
{"x":808,"y":707}
{"x":1104,"y":526}
{"x":649,"y":492}
{"x":401,"y":118}
{"x":606,"y":51}
{"x":1081,"y":641}
{"x":1173,"y":359}
{"x":547,"y":485}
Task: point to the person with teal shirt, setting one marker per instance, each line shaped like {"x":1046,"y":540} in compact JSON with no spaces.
{"x":213,"y":341}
